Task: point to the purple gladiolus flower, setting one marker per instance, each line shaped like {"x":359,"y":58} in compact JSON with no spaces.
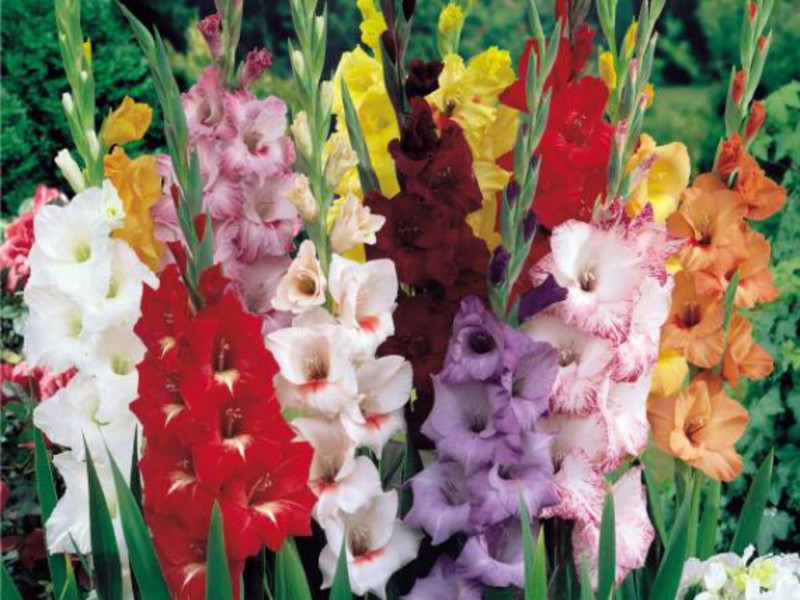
{"x":496,"y":491}
{"x":543,"y":295}
{"x":462,"y":426}
{"x":476,"y":346}
{"x":441,"y":501}
{"x":495,"y":556}
{"x":444,"y":583}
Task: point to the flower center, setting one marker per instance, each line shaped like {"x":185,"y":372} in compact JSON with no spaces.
{"x":694,"y":426}
{"x":691,"y":314}
{"x":251,"y":139}
{"x":480,"y":342}
{"x":566,"y":357}
{"x":121,"y":365}
{"x":225,"y":374}
{"x":454,"y":492}
{"x":316,"y":368}
{"x":82,"y":252}
{"x":231,"y":419}
{"x":577,"y":130}
{"x":113,"y":289}
{"x":587,"y":280}
{"x":306,"y":285}
{"x":359,"y":540}
{"x":406,"y":232}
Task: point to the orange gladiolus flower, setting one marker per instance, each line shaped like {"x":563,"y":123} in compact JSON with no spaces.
{"x":742,"y":355}
{"x":694,"y":324}
{"x":756,"y":285}
{"x":139,"y":186}
{"x":761,"y":194}
{"x":700,"y":426}
{"x":710,"y":216}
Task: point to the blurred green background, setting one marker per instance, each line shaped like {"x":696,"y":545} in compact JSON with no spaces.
{"x":698,"y":45}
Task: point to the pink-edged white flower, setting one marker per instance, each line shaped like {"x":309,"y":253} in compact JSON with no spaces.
{"x":316,"y":370}
{"x":585,"y":434}
{"x":601,"y":271}
{"x":376,"y":542}
{"x":112,"y":358}
{"x":354,"y":224}
{"x":365,"y":295}
{"x":222,"y":195}
{"x":55,"y":336}
{"x":584,"y":361}
{"x":384,"y":385}
{"x":75,"y":413}
{"x":73,"y":245}
{"x":204,"y":106}
{"x":303,"y":286}
{"x":580,"y":488}
{"x":634,"y":532}
{"x":639,"y":352}
{"x":342,"y":481}
{"x":625,"y":415}
{"x":259,"y":144}
{"x":268,"y":221}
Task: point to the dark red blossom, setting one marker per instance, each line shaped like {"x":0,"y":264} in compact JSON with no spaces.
{"x":423,"y":77}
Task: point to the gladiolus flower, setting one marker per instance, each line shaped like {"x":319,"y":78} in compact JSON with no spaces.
{"x":761,"y":194}
{"x":303,"y":285}
{"x":444,"y":582}
{"x":742,"y":355}
{"x":127,"y":123}
{"x":450,"y":20}
{"x":664,"y":180}
{"x":694,"y":324}
{"x":353,"y":224}
{"x":701,"y":426}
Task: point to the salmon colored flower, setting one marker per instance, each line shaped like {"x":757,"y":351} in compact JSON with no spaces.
{"x":694,"y":324}
{"x":756,"y":285}
{"x":742,"y":355}
{"x":701,"y":426}
{"x":761,"y":194}
{"x":127,"y":123}
{"x":665,"y":179}
{"x":138,"y":184}
{"x":710,"y":217}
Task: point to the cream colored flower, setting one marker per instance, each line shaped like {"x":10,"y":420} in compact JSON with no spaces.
{"x":354,"y":224}
{"x":303,"y":286}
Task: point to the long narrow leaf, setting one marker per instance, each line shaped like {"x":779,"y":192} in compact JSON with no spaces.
{"x":290,"y":577}
{"x":8,"y":591}
{"x":218,"y":576}
{"x":607,"y":562}
{"x":668,"y":578}
{"x":754,"y":505}
{"x":586,"y":584}
{"x":366,"y":174}
{"x":135,"y":477}
{"x":341,"y":580}
{"x":694,"y":516}
{"x":655,"y":505}
{"x":105,"y":552}
{"x":412,"y":464}
{"x":64,"y":585}
{"x":144,"y":561}
{"x":708,"y":524}
{"x":535,"y":563}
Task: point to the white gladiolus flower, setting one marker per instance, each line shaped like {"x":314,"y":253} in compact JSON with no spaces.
{"x":54,"y":331}
{"x":316,"y":369}
{"x":303,"y":286}
{"x":341,"y":481}
{"x":384,"y":385}
{"x":74,"y":413}
{"x":377,"y":545}
{"x":354,"y":224}
{"x":365,"y":296}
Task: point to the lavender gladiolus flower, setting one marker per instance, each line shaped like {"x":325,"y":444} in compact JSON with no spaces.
{"x":476,"y":346}
{"x":495,"y":557}
{"x":540,"y":297}
{"x":441,"y":500}
{"x":444,"y":583}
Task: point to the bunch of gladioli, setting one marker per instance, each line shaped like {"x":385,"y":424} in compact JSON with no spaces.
{"x":732,"y":577}
{"x":425,"y":308}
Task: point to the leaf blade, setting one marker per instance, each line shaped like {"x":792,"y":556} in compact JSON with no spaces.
{"x":218,"y":577}
{"x":754,"y":505}
{"x":290,"y":577}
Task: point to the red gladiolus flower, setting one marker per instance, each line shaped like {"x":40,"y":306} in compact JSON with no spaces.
{"x":214,"y":433}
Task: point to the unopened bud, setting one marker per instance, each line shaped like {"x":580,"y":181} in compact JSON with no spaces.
{"x":298,"y":63}
{"x":301,"y":134}
{"x":512,"y":192}
{"x":630,"y":39}
{"x":341,"y":159}
{"x":607,"y":71}
{"x":498,"y":267}
{"x":737,"y":87}
{"x":257,"y":62}
{"x":67,"y":103}
{"x":93,"y":142}
{"x":326,"y":97}
{"x":302,"y":199}
{"x":212,"y":33}
{"x":762,"y":43}
{"x":529,"y":225}
{"x":754,"y":121}
{"x":70,"y":170}
{"x":752,"y":11}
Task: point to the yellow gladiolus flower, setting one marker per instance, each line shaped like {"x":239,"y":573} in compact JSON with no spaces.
{"x":670,"y":373}
{"x":372,"y":25}
{"x":607,"y":71}
{"x":138,"y":184}
{"x":451,"y":20}
{"x":667,"y":176}
{"x":127,"y":123}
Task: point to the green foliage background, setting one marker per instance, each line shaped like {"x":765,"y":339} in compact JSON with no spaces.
{"x":699,"y":42}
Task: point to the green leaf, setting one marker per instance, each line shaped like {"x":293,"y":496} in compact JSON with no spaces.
{"x":535,"y":561}
{"x":341,"y":580}
{"x":412,"y":464}
{"x":290,"y":577}
{"x":105,"y":553}
{"x":8,"y":591}
{"x":668,"y":578}
{"x":586,"y":583}
{"x":495,"y":593}
{"x":754,"y":504}
{"x":144,"y":561}
{"x":135,"y":478}
{"x":654,"y":504}
{"x":366,"y":174}
{"x":709,"y":522}
{"x":218,"y":576}
{"x":607,"y":562}
{"x":694,"y":515}
{"x":64,"y":585}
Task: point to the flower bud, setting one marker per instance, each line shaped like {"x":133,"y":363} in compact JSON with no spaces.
{"x":298,"y":63}
{"x":70,"y":170}
{"x":451,"y":20}
{"x":754,"y":121}
{"x":512,"y":192}
{"x":301,"y":134}
{"x":607,"y":71}
{"x":341,"y":159}
{"x":302,"y":199}
{"x":529,"y":225}
{"x":498,"y":267}
{"x":629,"y":43}
{"x":67,"y":103}
{"x":326,"y":97}
{"x":257,"y":62}
{"x":212,"y":33}
{"x":649,"y":95}
{"x":737,"y":87}
{"x":93,"y":142}
{"x":752,"y":11}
